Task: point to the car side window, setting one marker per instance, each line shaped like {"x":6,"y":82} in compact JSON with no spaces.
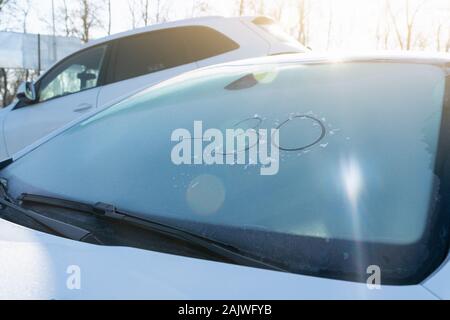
{"x":204,"y":42}
{"x":149,"y":52}
{"x":163,"y":49}
{"x":77,"y":73}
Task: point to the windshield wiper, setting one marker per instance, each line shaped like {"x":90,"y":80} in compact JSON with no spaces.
{"x":107,"y":211}
{"x":57,"y":227}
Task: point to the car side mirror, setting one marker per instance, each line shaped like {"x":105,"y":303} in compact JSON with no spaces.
{"x":26,"y":92}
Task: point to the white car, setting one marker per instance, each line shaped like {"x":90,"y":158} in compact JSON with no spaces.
{"x":358,"y":208}
{"x":111,"y":68}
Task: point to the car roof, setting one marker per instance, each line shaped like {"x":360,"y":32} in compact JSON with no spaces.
{"x":164,"y":25}
{"x":200,"y":21}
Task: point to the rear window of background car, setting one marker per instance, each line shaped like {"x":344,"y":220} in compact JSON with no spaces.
{"x":163,"y":49}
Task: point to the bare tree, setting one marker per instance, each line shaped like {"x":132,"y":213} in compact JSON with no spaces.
{"x":241,"y":7}
{"x":447,"y":44}
{"x":79,"y":18}
{"x":64,"y":13}
{"x":158,"y":11}
{"x":383,"y":30}
{"x":87,"y":14}
{"x":277,"y":12}
{"x":405,"y":39}
{"x":330,"y":24}
{"x":140,"y":12}
{"x":438,"y":36}
{"x":9,"y":82}
{"x":23,"y":11}
{"x":4,"y":87}
{"x":3,"y":4}
{"x":442,"y":31}
{"x":109,"y":17}
{"x":250,"y":7}
{"x":19,"y":11}
{"x":260,"y":8}
{"x":4,"y":93}
{"x":133,"y":13}
{"x":303,"y":22}
{"x":145,"y":16}
{"x":200,"y":7}
{"x":65,"y":17}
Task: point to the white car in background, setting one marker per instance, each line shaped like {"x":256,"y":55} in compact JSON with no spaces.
{"x":114,"y":67}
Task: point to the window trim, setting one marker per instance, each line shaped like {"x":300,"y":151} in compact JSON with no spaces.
{"x":101,"y":79}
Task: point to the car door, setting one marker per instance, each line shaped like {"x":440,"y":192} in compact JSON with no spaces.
{"x":66,"y":92}
{"x":143,"y":60}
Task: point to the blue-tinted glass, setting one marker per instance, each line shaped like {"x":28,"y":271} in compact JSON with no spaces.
{"x":370,"y":177}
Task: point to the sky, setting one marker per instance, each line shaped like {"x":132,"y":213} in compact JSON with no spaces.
{"x":353,"y":24}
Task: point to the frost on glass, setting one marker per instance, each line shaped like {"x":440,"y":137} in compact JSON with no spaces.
{"x":369,"y":176}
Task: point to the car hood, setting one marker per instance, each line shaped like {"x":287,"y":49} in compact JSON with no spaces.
{"x":34,"y":265}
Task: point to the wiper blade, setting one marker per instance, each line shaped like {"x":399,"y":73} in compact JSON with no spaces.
{"x":5,"y":163}
{"x":108,"y":211}
{"x":58,"y":227}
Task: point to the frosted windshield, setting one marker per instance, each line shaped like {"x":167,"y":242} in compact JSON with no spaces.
{"x":369,"y":177}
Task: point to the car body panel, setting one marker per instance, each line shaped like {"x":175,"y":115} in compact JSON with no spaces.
{"x":276,"y":46}
{"x":43,"y":118}
{"x":39,"y":266}
{"x":123,"y":89}
{"x":439,"y":282}
{"x":216,"y":22}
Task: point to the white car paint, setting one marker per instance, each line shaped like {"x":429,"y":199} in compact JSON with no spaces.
{"x":35,"y":265}
{"x":22,"y":126}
